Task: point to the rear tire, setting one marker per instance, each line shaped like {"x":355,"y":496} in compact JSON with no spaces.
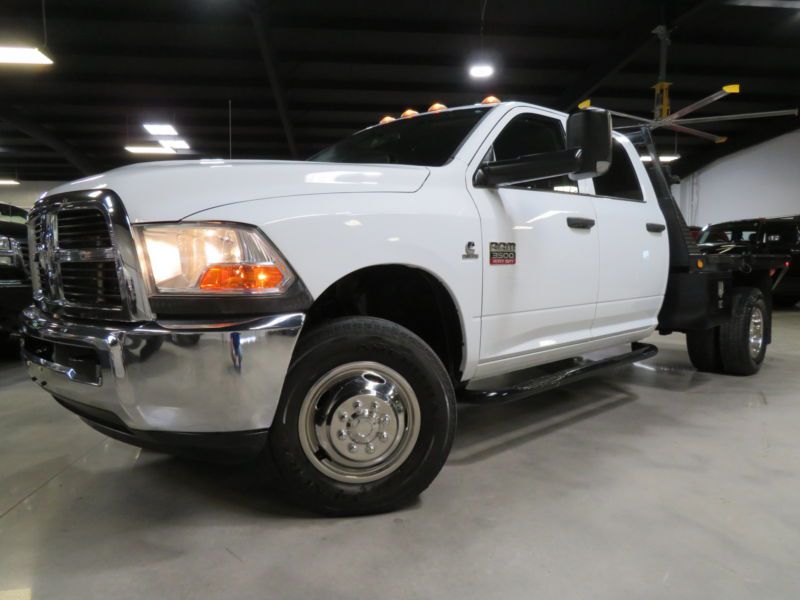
{"x":742,"y":340}
{"x":704,"y":352}
{"x":366,"y":418}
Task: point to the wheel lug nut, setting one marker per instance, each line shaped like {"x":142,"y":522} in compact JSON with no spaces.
{"x":370,"y":449}
{"x":356,"y":404}
{"x":343,"y":415}
{"x":383,"y":436}
{"x":364,"y":412}
{"x":341,"y":434}
{"x":352,"y":447}
{"x":375,"y":405}
{"x":384,"y":419}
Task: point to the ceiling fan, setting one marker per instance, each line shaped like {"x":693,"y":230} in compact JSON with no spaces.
{"x":664,"y":118}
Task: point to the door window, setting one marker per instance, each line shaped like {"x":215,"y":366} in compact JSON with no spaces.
{"x":620,"y":181}
{"x":781,"y":235}
{"x":533,"y":134}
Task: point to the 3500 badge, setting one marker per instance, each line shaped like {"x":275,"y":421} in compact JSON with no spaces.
{"x":502,"y":253}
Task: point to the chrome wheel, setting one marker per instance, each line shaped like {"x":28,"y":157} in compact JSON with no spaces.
{"x":359,"y":422}
{"x":756,"y":333}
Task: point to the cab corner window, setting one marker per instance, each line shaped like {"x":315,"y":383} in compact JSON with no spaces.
{"x":620,"y":181}
{"x":533,"y":134}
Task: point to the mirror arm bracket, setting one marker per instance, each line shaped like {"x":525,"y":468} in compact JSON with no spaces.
{"x":532,"y":167}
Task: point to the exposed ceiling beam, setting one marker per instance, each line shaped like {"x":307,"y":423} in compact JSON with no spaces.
{"x":12,"y":116}
{"x":634,"y":38}
{"x":260,"y":21}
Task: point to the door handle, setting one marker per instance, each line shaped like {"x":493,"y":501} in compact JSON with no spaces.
{"x":656,"y":227}
{"x":580,"y":223}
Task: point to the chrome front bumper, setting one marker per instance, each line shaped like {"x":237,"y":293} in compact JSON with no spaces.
{"x":166,"y":376}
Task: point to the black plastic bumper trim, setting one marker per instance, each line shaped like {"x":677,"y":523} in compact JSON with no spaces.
{"x":222,"y":447}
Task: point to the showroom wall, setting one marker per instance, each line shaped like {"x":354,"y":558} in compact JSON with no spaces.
{"x":26,"y":193}
{"x":760,"y":181}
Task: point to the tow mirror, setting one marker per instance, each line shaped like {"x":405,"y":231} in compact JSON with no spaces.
{"x":590,"y":130}
{"x":588,"y":154}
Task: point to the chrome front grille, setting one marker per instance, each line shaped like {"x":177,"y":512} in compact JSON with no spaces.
{"x":93,"y":283}
{"x":74,"y":263}
{"x":83,"y":258}
{"x":82,"y":228}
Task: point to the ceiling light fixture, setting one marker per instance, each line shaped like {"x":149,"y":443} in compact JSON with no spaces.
{"x":481,"y":71}
{"x":160,"y":129}
{"x":664,"y":158}
{"x":9,"y":182}
{"x":149,"y":150}
{"x":481,"y":67}
{"x":177,"y":144}
{"x":23,"y":56}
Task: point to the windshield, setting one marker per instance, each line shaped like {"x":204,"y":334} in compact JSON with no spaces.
{"x":12,"y":214}
{"x":427,"y":140}
{"x":730,"y":233}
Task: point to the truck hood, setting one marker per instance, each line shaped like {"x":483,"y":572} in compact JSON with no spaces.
{"x":174,"y":190}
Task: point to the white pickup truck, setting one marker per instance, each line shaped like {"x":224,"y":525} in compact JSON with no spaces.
{"x":325,"y":316}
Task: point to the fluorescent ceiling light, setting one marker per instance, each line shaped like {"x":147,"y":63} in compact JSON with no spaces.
{"x":9,"y":182}
{"x":149,"y":150}
{"x":664,"y":158}
{"x":178,"y":144}
{"x":160,"y":129}
{"x":481,"y":71}
{"x":23,"y":56}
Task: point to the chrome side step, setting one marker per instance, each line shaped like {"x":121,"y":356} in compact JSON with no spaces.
{"x":558,"y":374}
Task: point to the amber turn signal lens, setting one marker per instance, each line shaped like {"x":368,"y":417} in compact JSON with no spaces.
{"x":491,"y":100}
{"x":700,"y":263}
{"x":436,"y":106}
{"x":241,"y":277}
{"x":386,"y":119}
{"x":409,"y":112}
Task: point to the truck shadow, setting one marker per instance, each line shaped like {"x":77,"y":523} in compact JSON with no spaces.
{"x":487,"y":429}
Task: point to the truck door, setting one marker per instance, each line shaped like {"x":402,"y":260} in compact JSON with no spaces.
{"x":634,"y":247}
{"x":539,"y":252}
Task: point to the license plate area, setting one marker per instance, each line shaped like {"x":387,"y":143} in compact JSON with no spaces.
{"x":79,"y":363}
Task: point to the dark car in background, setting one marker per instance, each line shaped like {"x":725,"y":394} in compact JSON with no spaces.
{"x":15,"y":283}
{"x":776,"y":236}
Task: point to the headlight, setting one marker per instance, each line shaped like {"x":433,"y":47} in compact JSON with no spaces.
{"x":211,"y":258}
{"x":5,"y":243}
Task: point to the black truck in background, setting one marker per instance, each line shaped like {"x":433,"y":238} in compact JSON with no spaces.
{"x":15,"y":282}
{"x":761,"y":237}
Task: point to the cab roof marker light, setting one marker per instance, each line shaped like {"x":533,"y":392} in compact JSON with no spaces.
{"x":436,"y":107}
{"x":491,"y":100}
{"x":409,"y":112}
{"x":23,"y":56}
{"x":160,"y":129}
{"x":386,"y":119}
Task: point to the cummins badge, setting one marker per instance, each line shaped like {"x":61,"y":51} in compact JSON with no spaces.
{"x":502,"y":253}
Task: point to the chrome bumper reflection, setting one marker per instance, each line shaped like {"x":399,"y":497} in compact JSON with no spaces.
{"x":166,"y":376}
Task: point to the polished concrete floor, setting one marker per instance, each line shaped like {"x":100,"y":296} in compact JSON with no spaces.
{"x":654,"y":482}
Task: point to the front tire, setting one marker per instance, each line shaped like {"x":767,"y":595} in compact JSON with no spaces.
{"x":366,"y":418}
{"x":743,"y":339}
